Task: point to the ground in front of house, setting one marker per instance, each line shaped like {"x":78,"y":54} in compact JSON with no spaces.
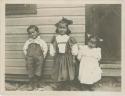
{"x":105,"y":84}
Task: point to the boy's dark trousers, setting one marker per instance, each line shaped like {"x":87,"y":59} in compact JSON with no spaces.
{"x":34,"y":63}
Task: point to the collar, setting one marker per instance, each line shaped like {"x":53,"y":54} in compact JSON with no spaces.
{"x":31,"y":39}
{"x":63,"y":35}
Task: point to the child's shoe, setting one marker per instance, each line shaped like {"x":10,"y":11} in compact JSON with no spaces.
{"x":30,"y":87}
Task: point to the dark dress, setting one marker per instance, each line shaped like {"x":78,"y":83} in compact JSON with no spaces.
{"x":64,"y":67}
{"x":34,"y":60}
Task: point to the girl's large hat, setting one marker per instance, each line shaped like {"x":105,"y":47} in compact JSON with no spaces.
{"x":65,"y":21}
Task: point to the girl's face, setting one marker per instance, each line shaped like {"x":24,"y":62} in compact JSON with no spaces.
{"x":62,"y":29}
{"x":32,"y":33}
{"x":92,"y":43}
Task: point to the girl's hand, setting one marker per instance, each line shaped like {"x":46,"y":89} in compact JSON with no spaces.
{"x":74,"y":59}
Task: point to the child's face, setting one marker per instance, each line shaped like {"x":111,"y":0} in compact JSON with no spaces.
{"x":92,"y":43}
{"x":62,"y":28}
{"x":32,"y":33}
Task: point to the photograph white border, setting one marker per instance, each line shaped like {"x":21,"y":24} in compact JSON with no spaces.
{"x":53,"y":93}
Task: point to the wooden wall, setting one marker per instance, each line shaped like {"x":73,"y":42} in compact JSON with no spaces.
{"x":46,"y":17}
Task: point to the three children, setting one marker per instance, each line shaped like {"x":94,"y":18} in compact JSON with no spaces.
{"x":64,"y":48}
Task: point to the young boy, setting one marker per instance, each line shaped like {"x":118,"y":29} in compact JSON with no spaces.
{"x":35,"y":50}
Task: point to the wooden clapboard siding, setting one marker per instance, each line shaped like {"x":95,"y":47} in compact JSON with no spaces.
{"x":56,"y":11}
{"x":45,"y":19}
{"x":61,"y":11}
{"x":77,"y":20}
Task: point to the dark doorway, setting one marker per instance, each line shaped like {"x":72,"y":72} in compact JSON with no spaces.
{"x":104,"y":21}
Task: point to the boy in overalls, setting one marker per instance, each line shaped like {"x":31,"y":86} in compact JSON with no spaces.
{"x":35,"y":50}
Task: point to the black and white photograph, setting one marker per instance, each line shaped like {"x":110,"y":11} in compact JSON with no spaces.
{"x":63,"y":47}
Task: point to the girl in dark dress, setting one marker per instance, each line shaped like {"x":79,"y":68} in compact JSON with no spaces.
{"x":64,"y":49}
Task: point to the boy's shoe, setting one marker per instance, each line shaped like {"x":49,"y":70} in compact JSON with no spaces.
{"x":30,"y":88}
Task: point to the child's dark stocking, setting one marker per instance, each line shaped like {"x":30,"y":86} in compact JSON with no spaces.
{"x":87,"y":87}
{"x":64,"y":85}
{"x":38,"y":79}
{"x":31,"y":84}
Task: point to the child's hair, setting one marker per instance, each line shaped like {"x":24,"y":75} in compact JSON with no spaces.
{"x":33,"y":27}
{"x":66,"y":22}
{"x":93,"y":39}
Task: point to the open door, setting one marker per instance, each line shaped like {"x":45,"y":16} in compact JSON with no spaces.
{"x":104,"y":21}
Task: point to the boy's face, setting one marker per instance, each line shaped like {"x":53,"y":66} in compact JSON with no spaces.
{"x":32,"y":33}
{"x":62,"y":28}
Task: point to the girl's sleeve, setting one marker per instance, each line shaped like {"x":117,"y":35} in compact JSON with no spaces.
{"x":74,"y":46}
{"x":52,"y":49}
{"x":79,"y":55}
{"x":25,"y":47}
{"x":45,"y":48}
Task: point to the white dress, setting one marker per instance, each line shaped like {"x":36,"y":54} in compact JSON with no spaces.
{"x":89,"y":70}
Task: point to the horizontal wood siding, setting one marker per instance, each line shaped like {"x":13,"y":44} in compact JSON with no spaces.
{"x":46,"y":17}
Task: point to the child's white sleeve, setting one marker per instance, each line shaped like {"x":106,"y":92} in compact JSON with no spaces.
{"x":45,"y":48}
{"x":75,"y":49}
{"x":52,"y":50}
{"x":25,"y":47}
{"x":79,"y":55}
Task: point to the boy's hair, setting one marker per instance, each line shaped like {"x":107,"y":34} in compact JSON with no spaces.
{"x":33,"y":27}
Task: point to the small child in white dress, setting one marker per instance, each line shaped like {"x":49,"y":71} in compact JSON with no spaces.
{"x":89,"y":69}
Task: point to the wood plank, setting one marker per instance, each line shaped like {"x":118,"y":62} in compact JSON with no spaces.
{"x":110,"y":61}
{"x":47,"y":37}
{"x":14,"y":46}
{"x":42,"y":20}
{"x":111,"y":72}
{"x":43,"y":29}
{"x":61,"y":11}
{"x":14,"y":55}
{"x":10,"y":77}
{"x":18,"y":55}
{"x":22,"y":63}
{"x":60,"y":5}
{"x":111,"y":66}
{"x":16,"y":78}
{"x":22,"y":70}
